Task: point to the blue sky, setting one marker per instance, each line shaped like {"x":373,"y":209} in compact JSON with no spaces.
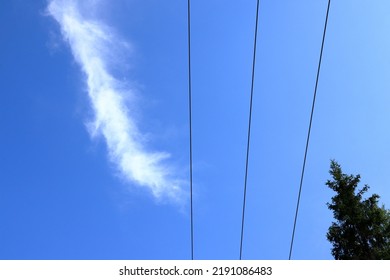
{"x":94,"y":118}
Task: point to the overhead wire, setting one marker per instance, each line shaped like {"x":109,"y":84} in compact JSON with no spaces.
{"x":249,"y":128}
{"x":309,"y":131}
{"x":190,"y":124}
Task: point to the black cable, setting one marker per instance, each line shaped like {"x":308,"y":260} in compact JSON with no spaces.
{"x":249,"y":128}
{"x":309,"y":130}
{"x":190,"y":123}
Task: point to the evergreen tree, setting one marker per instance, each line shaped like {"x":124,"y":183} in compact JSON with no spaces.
{"x":362,"y":228}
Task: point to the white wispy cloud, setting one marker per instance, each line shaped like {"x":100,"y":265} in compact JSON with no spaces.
{"x":92,"y":44}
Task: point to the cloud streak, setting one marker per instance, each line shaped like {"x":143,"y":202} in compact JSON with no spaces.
{"x":92,"y":44}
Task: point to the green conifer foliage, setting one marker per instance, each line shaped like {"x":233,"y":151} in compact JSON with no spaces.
{"x":361,"y":230}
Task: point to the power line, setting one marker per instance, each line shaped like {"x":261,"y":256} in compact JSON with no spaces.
{"x":190,"y":122}
{"x":249,"y":128}
{"x":309,"y":130}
